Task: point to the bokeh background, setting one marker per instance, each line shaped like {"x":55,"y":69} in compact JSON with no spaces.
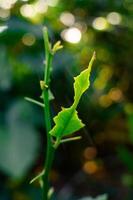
{"x":102,"y":161}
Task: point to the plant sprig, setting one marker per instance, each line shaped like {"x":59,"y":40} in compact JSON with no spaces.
{"x":66,"y":121}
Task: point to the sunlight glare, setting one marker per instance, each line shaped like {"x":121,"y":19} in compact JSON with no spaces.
{"x":52,"y":3}
{"x":27,"y":10}
{"x":114,"y":18}
{"x":4,"y":14}
{"x":72,"y":35}
{"x":100,"y":23}
{"x":41,"y":6}
{"x":7,"y":4}
{"x":67,"y":18}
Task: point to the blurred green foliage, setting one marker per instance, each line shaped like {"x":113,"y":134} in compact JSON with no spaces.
{"x":107,"y":109}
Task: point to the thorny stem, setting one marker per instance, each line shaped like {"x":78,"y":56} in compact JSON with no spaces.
{"x":50,"y":150}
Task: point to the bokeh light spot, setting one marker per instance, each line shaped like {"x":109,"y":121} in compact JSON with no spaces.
{"x":67,"y":18}
{"x":7,"y":4}
{"x":52,"y":3}
{"x":105,"y":101}
{"x":28,"y":39}
{"x":129,"y":108}
{"x":90,"y":153}
{"x":90,"y":167}
{"x":4,"y":14}
{"x":114,"y":18}
{"x":104,"y":75}
{"x":100,"y":23}
{"x":115,"y":94}
{"x":27,"y":10}
{"x":72,"y":35}
{"x":41,"y":6}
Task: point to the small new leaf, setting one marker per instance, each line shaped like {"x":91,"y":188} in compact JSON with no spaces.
{"x":57,"y":46}
{"x":43,"y":85}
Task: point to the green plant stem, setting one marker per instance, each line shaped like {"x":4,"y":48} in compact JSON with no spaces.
{"x":50,"y":150}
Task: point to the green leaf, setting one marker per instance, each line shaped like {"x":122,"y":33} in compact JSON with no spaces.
{"x":82,"y":82}
{"x":67,"y":121}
